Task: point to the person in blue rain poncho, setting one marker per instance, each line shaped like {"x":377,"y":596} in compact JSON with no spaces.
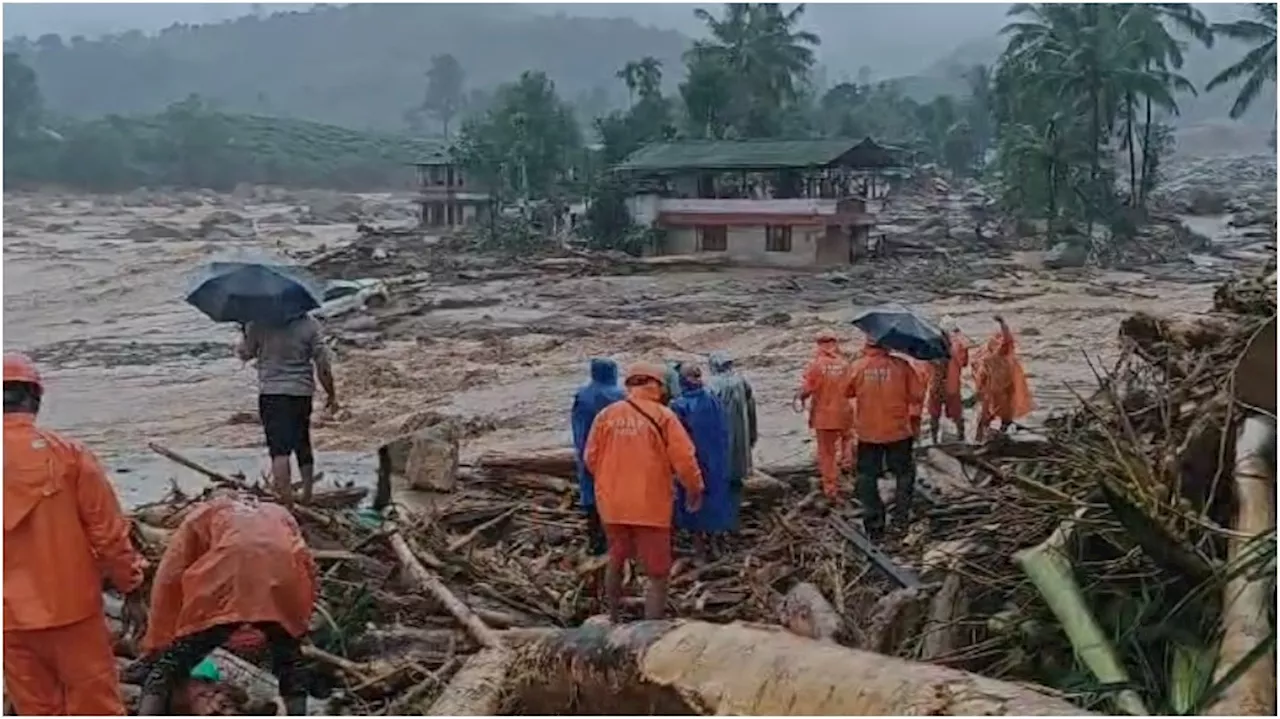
{"x":602,"y":391}
{"x":672,"y":382}
{"x":703,"y":417}
{"x":739,"y":404}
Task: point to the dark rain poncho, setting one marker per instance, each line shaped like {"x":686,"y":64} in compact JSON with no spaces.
{"x":600,"y":392}
{"x":701,"y":415}
{"x":739,"y":405}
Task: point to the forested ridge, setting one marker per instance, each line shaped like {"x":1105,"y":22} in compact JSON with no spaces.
{"x":1071,"y":121}
{"x":359,"y":66}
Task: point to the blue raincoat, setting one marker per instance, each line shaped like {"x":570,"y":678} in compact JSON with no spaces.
{"x":594,"y":396}
{"x":739,"y":404}
{"x":703,"y":418}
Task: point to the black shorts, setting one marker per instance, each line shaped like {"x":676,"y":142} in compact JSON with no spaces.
{"x":286,"y":420}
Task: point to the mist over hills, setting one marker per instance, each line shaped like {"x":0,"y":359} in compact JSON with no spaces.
{"x":362,"y":66}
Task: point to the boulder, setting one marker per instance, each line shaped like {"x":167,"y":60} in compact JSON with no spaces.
{"x":427,"y":458}
{"x":1206,"y":202}
{"x":1066,"y":254}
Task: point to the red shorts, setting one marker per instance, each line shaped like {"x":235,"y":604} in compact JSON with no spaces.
{"x":951,"y":402}
{"x":651,"y":546}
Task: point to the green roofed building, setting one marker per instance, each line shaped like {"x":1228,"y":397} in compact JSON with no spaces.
{"x":686,"y":155}
{"x":773,"y":202}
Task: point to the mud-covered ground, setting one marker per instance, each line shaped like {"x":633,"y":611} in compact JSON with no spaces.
{"x":93,"y":290}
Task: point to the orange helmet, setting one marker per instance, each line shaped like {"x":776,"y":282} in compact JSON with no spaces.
{"x":19,"y":368}
{"x":648,"y":370}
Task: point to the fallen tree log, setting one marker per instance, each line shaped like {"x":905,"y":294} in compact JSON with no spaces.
{"x":431,"y":583}
{"x":661,"y":667}
{"x":557,"y":462}
{"x":1246,"y":597}
{"x":477,"y":689}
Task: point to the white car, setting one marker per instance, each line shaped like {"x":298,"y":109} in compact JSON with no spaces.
{"x":343,"y":296}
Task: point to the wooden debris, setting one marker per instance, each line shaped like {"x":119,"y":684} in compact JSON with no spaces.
{"x":431,"y":583}
{"x":557,"y":462}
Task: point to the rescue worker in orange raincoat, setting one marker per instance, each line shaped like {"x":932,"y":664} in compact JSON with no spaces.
{"x":945,"y":384}
{"x":849,"y":443}
{"x":823,"y":386}
{"x":236,"y":573}
{"x":1002,"y":384}
{"x":633,"y":448}
{"x":890,"y":394}
{"x":63,"y":530}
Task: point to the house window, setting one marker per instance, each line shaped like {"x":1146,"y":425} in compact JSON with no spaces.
{"x":713,"y":238}
{"x":777,"y":238}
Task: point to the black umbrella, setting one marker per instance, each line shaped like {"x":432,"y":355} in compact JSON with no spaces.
{"x":249,"y":291}
{"x":897,"y":328}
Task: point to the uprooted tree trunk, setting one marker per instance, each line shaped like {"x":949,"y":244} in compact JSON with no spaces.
{"x":1246,"y":597}
{"x":663,"y":667}
{"x":477,"y":688}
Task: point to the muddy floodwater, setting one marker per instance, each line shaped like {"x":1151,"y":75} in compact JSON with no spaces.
{"x":93,"y":290}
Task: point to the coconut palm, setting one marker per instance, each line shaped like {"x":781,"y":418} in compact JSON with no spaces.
{"x":1102,"y":62}
{"x":759,"y":46}
{"x":642,"y":77}
{"x":1161,"y":53}
{"x":1258,"y":66}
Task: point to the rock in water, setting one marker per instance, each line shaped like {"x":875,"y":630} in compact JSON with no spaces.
{"x":1066,"y":254}
{"x":1207,"y":202}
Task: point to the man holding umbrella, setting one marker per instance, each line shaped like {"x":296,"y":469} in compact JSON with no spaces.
{"x":271,"y":302}
{"x":290,"y":359}
{"x":890,"y":397}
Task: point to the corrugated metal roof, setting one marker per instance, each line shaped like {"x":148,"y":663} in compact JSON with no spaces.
{"x":742,"y":154}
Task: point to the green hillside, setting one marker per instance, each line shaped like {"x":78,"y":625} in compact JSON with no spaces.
{"x":189,"y":145}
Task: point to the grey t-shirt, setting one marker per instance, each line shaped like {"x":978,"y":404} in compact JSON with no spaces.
{"x":287,"y":356}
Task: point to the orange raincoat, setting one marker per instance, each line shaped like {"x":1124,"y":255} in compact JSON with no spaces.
{"x":890,"y":393}
{"x":849,"y":448}
{"x":232,"y":561}
{"x":1001,"y":381}
{"x":945,"y":387}
{"x":63,"y":530}
{"x":633,"y":447}
{"x":830,"y":413}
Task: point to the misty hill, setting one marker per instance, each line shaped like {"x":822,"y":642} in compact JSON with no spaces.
{"x":363,"y":66}
{"x":358,"y":65}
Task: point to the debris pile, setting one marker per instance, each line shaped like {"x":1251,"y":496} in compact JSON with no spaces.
{"x":1124,"y":515}
{"x":406,"y":600}
{"x":1120,"y":515}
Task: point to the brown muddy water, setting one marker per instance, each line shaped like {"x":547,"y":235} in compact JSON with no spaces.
{"x":94,"y":292}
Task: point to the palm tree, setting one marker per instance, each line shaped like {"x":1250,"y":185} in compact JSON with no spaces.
{"x":1102,"y":61}
{"x":1258,"y":65}
{"x":758,"y":44}
{"x":1164,"y":52}
{"x":642,"y":77}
